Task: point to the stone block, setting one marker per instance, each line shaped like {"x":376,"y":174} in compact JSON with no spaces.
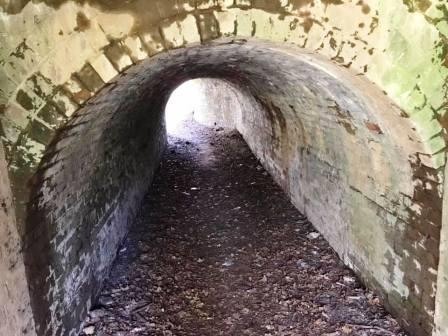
{"x":226,"y":21}
{"x":117,"y":56}
{"x":208,"y":26}
{"x":51,"y":115}
{"x":189,"y":30}
{"x":10,"y":132}
{"x":40,"y":85}
{"x":104,"y":68}
{"x":135,"y":48}
{"x":244,"y":24}
{"x":29,"y":100}
{"x":77,"y":90}
{"x":179,"y":33}
{"x":40,"y":132}
{"x":17,"y":114}
{"x":90,"y":78}
{"x":64,"y":104}
{"x":153,"y":41}
{"x":7,"y":87}
{"x":171,"y":34}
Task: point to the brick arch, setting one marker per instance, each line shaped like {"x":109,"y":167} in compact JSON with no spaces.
{"x":316,"y":128}
{"x":56,"y":55}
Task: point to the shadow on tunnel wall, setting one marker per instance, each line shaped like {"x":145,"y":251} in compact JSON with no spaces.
{"x":85,"y":195}
{"x":328,"y":137}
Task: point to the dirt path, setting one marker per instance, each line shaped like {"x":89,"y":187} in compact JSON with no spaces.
{"x":219,"y":250}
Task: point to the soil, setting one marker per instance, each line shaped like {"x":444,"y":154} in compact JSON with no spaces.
{"x":218,"y":249}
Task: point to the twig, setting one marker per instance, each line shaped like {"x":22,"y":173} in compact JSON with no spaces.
{"x":370,"y":327}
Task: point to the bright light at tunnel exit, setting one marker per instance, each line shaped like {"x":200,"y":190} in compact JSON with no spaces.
{"x":181,"y":105}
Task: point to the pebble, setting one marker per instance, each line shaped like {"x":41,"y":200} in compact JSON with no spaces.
{"x":89,"y":330}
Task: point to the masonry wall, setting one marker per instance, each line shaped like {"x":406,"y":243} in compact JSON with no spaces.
{"x":367,"y":224}
{"x":55,"y":55}
{"x":373,"y":224}
{"x":328,"y":137}
{"x":335,"y":151}
{"x":85,"y":195}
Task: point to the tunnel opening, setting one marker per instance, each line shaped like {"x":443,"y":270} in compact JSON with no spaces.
{"x":211,"y":102}
{"x":326,"y":136}
{"x":181,"y":105}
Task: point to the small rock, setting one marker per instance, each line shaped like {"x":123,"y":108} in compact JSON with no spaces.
{"x":105,"y":301}
{"x":96,"y":315}
{"x":227,"y":263}
{"x":136,"y":330}
{"x":302,"y":264}
{"x":89,"y":330}
{"x":349,"y":280}
{"x":313,"y":235}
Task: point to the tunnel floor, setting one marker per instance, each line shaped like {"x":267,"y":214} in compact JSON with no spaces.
{"x":218,"y":249}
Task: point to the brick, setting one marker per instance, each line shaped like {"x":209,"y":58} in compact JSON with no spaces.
{"x":153,"y":41}
{"x":51,"y":115}
{"x":90,"y":78}
{"x":40,"y":132}
{"x":18,"y":115}
{"x":118,"y":57}
{"x":104,"y":68}
{"x":77,"y":90}
{"x":64,"y":104}
{"x":208,"y":26}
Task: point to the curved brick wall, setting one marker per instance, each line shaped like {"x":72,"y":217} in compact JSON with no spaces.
{"x":383,"y":155}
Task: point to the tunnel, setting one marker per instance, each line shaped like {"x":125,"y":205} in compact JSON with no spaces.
{"x":343,"y":103}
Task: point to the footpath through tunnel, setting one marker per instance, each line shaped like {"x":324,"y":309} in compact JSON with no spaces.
{"x":309,"y":203}
{"x":218,"y":249}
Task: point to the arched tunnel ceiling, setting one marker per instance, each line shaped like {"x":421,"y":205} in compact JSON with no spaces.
{"x":56,"y":55}
{"x":375,"y":38}
{"x":327,"y":136}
